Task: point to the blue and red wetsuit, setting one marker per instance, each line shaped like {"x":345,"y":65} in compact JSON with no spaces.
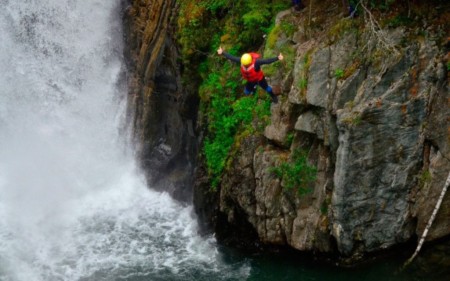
{"x":254,"y":75}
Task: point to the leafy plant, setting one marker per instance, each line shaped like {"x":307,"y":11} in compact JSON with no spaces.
{"x":303,"y":80}
{"x":339,"y":73}
{"x":273,"y":36}
{"x":303,"y":83}
{"x":288,"y":28}
{"x":289,"y":138}
{"x":226,"y":116}
{"x":324,"y":206}
{"x":382,"y":5}
{"x":424,"y":178}
{"x":297,"y":173}
{"x":214,"y":5}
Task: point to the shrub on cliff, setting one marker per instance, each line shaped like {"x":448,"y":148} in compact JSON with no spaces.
{"x":239,"y":26}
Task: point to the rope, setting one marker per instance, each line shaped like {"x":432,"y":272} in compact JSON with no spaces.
{"x":430,"y":222}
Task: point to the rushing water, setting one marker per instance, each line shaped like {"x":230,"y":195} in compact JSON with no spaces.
{"x":73,"y":206}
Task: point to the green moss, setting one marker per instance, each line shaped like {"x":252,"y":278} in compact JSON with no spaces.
{"x":288,"y":28}
{"x":397,"y":20}
{"x":354,"y":119}
{"x":273,"y":36}
{"x":425,"y":178}
{"x":275,"y":46}
{"x":381,"y":5}
{"x":302,"y":82}
{"x":288,"y":61}
{"x":214,"y":5}
{"x":289,"y":55}
{"x":289,"y":139}
{"x":339,"y":73}
{"x":350,"y":104}
{"x":325,"y":206}
{"x":342,"y":27}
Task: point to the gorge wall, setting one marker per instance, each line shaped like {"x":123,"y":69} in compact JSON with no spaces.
{"x":161,"y":113}
{"x":378,"y":135}
{"x":370,"y":107}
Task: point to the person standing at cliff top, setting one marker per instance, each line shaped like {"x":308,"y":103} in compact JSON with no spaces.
{"x":251,"y":71}
{"x":349,"y":6}
{"x":298,"y":5}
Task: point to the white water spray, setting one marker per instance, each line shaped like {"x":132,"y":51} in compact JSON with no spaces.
{"x":72,"y":204}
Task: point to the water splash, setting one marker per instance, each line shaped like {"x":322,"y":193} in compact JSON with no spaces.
{"x":73,"y":205}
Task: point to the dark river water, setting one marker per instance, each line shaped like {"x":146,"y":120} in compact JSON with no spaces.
{"x":73,"y":204}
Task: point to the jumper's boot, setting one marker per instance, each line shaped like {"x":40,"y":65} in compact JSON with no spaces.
{"x":272,"y":95}
{"x":274,"y":99}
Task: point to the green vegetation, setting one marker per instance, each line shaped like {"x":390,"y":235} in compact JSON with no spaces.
{"x":288,"y":28}
{"x":284,"y":27}
{"x":339,"y":73}
{"x":424,"y":178}
{"x":274,"y":46}
{"x":384,"y":5}
{"x":273,"y":36}
{"x":342,"y":27}
{"x":297,"y":173}
{"x":350,"y":104}
{"x":354,"y":118}
{"x":324,"y":206}
{"x":226,"y":117}
{"x":242,"y":26}
{"x":237,"y":26}
{"x":303,"y":83}
{"x":398,"y":20}
{"x":289,"y":139}
{"x":205,"y":24}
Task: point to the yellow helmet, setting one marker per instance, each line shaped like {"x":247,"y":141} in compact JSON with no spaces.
{"x":246,"y":59}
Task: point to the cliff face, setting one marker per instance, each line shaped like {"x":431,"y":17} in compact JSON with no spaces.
{"x":370,"y":108}
{"x":160,"y":110}
{"x":374,"y":118}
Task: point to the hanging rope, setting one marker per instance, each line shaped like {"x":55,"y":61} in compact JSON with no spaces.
{"x":430,"y":222}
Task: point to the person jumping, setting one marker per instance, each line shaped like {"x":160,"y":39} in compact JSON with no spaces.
{"x":251,"y":71}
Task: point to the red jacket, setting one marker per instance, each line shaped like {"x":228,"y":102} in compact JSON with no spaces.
{"x":249,"y":73}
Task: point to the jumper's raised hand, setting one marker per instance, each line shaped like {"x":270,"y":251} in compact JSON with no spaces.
{"x":220,"y":51}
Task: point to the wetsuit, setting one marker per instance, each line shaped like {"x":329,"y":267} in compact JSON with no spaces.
{"x":250,"y":86}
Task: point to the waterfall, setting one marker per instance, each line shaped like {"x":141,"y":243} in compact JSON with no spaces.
{"x":73,"y":205}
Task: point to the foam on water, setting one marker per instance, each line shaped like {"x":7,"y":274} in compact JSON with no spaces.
{"x":73,"y":205}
